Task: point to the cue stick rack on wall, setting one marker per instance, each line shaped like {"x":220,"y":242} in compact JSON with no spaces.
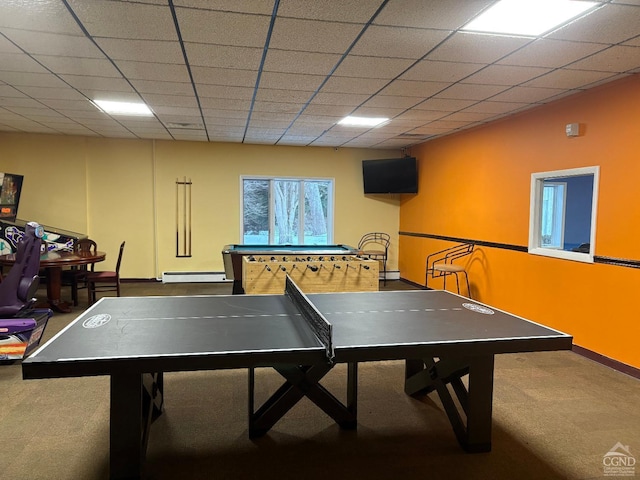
{"x":183,"y":217}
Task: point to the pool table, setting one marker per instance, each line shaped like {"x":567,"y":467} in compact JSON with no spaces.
{"x":232,"y":256}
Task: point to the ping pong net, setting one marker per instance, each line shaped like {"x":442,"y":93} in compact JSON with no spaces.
{"x":316,"y":321}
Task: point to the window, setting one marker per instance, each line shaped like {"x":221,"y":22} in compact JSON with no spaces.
{"x":271,"y":213}
{"x":563,"y":213}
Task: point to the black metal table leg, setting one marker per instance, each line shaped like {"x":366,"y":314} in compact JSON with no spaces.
{"x":136,"y":401}
{"x":126,"y":426}
{"x":302,"y":381}
{"x":423,"y":376}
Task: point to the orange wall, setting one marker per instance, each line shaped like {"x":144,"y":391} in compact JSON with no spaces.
{"x":476,"y":185}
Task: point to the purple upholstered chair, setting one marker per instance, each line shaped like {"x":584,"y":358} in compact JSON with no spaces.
{"x":19,"y":286}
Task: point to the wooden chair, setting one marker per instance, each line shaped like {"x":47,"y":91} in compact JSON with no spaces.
{"x":76,"y":277}
{"x":375,"y":245}
{"x":105,"y":281}
{"x":440,"y":264}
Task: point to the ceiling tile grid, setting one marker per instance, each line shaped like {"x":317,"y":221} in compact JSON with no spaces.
{"x":286,"y":72}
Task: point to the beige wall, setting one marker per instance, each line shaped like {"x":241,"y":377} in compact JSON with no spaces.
{"x":117,"y":190}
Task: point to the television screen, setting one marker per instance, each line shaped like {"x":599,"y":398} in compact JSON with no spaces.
{"x":11,"y":186}
{"x":391,"y":175}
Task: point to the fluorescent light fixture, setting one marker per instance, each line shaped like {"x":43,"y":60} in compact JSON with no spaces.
{"x":123,"y":108}
{"x":528,"y":17}
{"x":363,"y":121}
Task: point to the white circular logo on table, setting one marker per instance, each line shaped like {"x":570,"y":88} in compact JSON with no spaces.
{"x":474,"y":307}
{"x":96,"y":321}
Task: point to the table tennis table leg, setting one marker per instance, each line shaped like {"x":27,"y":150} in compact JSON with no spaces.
{"x":126,"y":426}
{"x":424,"y":376}
{"x":303,"y":381}
{"x":136,"y":400}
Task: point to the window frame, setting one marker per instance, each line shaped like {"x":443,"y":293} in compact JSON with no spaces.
{"x":301,"y":211}
{"x":537,"y":185}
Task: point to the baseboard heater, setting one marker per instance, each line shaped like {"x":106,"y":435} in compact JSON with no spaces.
{"x":194,"y":277}
{"x":390,"y":274}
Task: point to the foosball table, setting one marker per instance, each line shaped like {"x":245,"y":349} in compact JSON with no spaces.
{"x":312,"y":273}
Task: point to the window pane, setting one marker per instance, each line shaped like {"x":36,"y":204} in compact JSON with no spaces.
{"x":286,"y":199}
{"x":255,"y":223}
{"x":552,"y":215}
{"x":316,"y":195}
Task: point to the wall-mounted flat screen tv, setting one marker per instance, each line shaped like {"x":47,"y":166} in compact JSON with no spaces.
{"x":390,"y":175}
{"x":11,"y":186}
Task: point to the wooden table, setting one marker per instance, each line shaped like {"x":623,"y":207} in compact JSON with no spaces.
{"x":54,"y":262}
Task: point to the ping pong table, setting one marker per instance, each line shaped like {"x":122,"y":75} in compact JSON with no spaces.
{"x":442,"y":336}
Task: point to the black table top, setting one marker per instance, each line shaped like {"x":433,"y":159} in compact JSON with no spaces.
{"x":146,"y":334}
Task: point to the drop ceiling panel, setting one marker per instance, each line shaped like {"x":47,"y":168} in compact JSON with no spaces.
{"x":224,"y":103}
{"x":225,"y":91}
{"x":263,"y":7}
{"x":405,"y":88}
{"x":381,"y":41}
{"x":567,"y":79}
{"x":89,"y":85}
{"x":551,"y":53}
{"x":30,"y":79}
{"x":292,"y":81}
{"x":373,"y":67}
{"x":223,"y":28}
{"x":78,"y":66}
{"x":526,"y":94}
{"x":283,"y":96}
{"x":142,"y":50}
{"x":353,"y":85}
{"x":277,"y":107}
{"x":331,"y":110}
{"x":44,"y":43}
{"x":171,"y":100}
{"x":300,"y":62}
{"x":43,"y":16}
{"x":614,"y":59}
{"x":392,"y":101}
{"x":610,"y":24}
{"x":20,"y":62}
{"x":224,"y":76}
{"x":448,"y":15}
{"x":505,"y":75}
{"x":436,"y":71}
{"x":313,"y":36}
{"x":495,"y":107}
{"x":103,"y":18}
{"x":474,"y":48}
{"x":223,"y":56}
{"x":154,"y":71}
{"x":160,"y":87}
{"x":471,"y":91}
{"x":350,"y":11}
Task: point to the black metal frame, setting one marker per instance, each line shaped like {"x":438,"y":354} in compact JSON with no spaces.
{"x":447,"y":257}
{"x":303,"y":381}
{"x":426,"y":375}
{"x":378,"y":238}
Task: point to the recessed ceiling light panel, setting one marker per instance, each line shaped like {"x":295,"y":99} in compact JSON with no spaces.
{"x":528,"y":17}
{"x":123,"y":108}
{"x":363,"y":121}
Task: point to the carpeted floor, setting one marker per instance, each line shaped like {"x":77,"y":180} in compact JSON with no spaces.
{"x":556,"y":414}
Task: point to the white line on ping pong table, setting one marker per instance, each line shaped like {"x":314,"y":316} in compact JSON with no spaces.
{"x":269,"y":315}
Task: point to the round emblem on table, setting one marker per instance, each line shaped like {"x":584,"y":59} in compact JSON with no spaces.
{"x":474,"y":307}
{"x":96,"y":321}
